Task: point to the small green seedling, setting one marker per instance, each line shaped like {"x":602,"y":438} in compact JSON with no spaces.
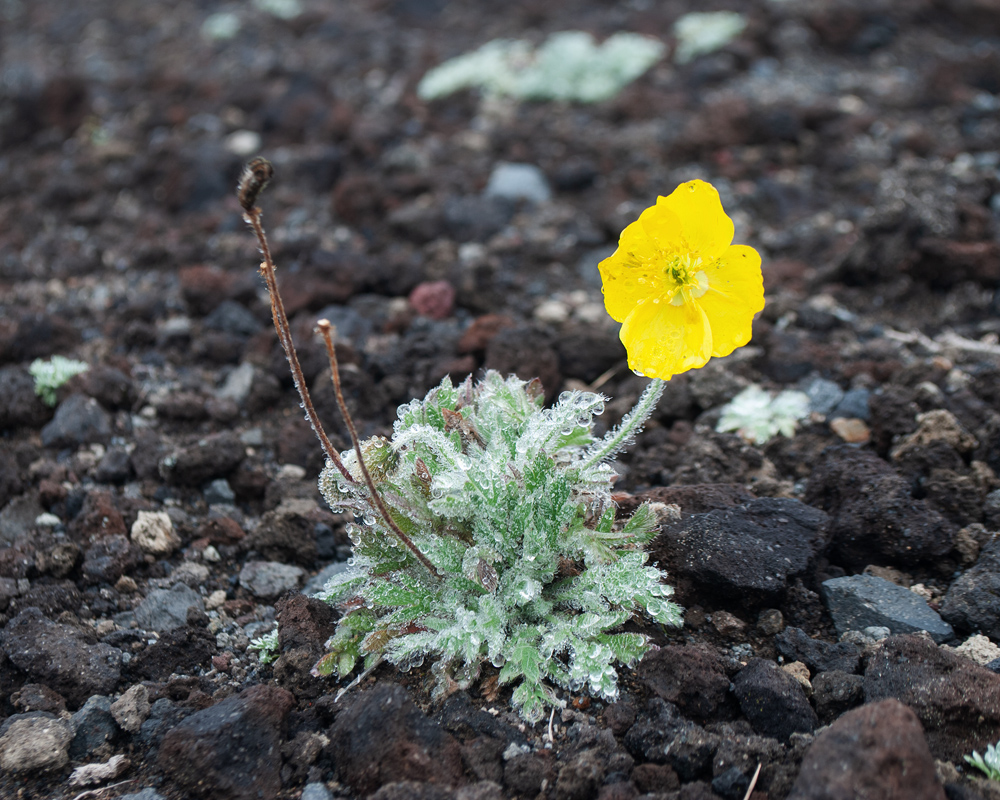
{"x":989,"y":763}
{"x":569,"y":66}
{"x":266,"y":647}
{"x":50,"y":375}
{"x":484,"y":532}
{"x":758,"y":417}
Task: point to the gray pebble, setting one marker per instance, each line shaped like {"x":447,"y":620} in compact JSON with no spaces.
{"x":859,"y":601}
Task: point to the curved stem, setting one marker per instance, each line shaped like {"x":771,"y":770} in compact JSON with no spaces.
{"x":325,"y":329}
{"x":630,"y":425}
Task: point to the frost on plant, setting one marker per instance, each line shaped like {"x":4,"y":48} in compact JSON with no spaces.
{"x":700,"y":33}
{"x":989,"y":763}
{"x":266,"y":647}
{"x":758,"y":417}
{"x":511,"y":502}
{"x":568,"y":66}
{"x":50,"y":375}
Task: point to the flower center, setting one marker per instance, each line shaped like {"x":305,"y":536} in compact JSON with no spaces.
{"x":685,"y":278}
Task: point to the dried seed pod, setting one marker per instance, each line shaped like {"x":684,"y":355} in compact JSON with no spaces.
{"x":256,"y":174}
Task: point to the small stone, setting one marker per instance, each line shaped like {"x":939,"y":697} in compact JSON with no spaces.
{"x":518,"y":182}
{"x":60,"y":657}
{"x":857,"y":601}
{"x":552,"y":312}
{"x":800,"y":672}
{"x":850,"y":429}
{"x":433,"y":299}
{"x":728,"y":624}
{"x":316,"y":791}
{"x":34,"y":744}
{"x":126,"y":585}
{"x":219,"y":492}
{"x":132,"y":708}
{"x":270,"y":579}
{"x":154,"y":532}
{"x":854,"y":405}
{"x":980,"y":649}
{"x":163,"y":610}
{"x":95,"y":728}
{"x":770,"y":622}
{"x":78,"y":420}
{"x":215,"y":599}
{"x":773,"y":701}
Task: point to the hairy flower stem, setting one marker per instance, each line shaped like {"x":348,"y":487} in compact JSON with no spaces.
{"x":252,"y":217}
{"x":630,"y":426}
{"x":325,"y":330}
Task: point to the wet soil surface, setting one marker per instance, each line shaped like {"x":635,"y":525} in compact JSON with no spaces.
{"x":164,"y":512}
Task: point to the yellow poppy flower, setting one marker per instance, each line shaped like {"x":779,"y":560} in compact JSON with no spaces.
{"x":682,"y":291}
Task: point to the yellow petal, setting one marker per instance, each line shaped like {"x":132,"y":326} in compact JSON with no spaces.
{"x":663,"y":339}
{"x":735,"y":294}
{"x":703,"y":229}
{"x":632,"y":273}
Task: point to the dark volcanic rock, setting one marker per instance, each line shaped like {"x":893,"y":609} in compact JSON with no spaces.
{"x":232,"y":749}
{"x":304,"y":622}
{"x":179,"y":650}
{"x":78,"y":420}
{"x":58,"y":656}
{"x":859,"y":601}
{"x":773,"y":700}
{"x":834,"y":692}
{"x":95,"y":728}
{"x":690,"y":676}
{"x":110,"y":558}
{"x":383,"y":736}
{"x":878,"y":750}
{"x":19,"y":405}
{"x":747,"y":552}
{"x":214,"y":456}
{"x":957,"y":701}
{"x":796,"y":645}
{"x":663,"y":736}
{"x":972,"y":603}
{"x":873,"y":517}
{"x":285,"y":535}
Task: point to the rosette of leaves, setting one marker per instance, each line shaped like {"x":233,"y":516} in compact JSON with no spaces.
{"x":511,"y":504}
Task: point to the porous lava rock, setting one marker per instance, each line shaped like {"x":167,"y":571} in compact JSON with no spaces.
{"x":231,"y":749}
{"x":878,"y":750}
{"x":773,"y":700}
{"x":972,"y":603}
{"x":746,"y":552}
{"x":873,"y":517}
{"x":58,"y":656}
{"x":384,"y":737}
{"x":957,"y":701}
{"x":692,"y":677}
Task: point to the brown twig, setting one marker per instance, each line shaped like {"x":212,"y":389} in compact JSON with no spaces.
{"x":255,"y":176}
{"x":326,"y":331}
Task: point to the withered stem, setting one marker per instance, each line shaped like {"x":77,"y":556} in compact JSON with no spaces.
{"x":252,"y":216}
{"x":325,"y":331}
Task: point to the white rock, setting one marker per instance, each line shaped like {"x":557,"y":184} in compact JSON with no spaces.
{"x":35,"y":744}
{"x":154,"y":532}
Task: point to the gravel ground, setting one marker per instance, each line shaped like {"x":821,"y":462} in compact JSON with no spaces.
{"x":840,"y":585}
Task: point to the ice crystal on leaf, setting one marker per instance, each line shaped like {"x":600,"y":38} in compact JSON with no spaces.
{"x":511,"y":503}
{"x":682,"y":291}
